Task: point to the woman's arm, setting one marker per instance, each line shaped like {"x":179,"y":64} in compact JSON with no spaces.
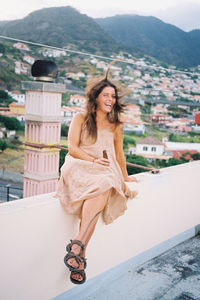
{"x":118,"y":142}
{"x":74,"y":136}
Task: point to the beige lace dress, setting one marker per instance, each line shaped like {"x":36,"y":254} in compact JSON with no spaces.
{"x":81,"y":179}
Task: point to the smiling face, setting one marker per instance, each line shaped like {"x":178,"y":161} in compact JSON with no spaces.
{"x":106,"y":99}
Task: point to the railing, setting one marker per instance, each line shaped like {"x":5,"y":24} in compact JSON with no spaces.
{"x":7,"y":195}
{"x":41,"y":146}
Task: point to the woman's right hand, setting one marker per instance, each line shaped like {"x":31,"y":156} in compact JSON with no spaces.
{"x":102,"y":161}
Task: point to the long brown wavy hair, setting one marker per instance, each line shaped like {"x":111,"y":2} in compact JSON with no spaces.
{"x":93,"y":89}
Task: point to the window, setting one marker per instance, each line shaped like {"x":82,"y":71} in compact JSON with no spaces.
{"x":153,"y":149}
{"x":145,"y":148}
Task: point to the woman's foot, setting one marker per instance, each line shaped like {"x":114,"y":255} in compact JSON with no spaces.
{"x":76,"y":249}
{"x":78,"y":276}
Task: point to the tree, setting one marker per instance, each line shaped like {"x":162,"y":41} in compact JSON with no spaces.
{"x":174,"y":162}
{"x":10,"y":123}
{"x":5,"y":99}
{"x":64,"y":130}
{"x":3,"y":145}
{"x":2,"y":48}
{"x":195,"y":156}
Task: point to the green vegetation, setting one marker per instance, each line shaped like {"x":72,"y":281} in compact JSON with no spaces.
{"x":128,"y":141}
{"x":62,"y":158}
{"x":189,"y":138}
{"x":65,"y":98}
{"x":5,"y":99}
{"x":64,"y":130}
{"x":136,"y":159}
{"x":11,"y":123}
{"x":62,"y":26}
{"x":3,"y":145}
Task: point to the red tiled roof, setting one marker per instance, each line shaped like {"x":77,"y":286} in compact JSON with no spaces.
{"x":178,"y":153}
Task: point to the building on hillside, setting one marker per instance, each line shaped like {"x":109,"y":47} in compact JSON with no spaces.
{"x":159,"y":109}
{"x":180,"y":125}
{"x":16,"y":108}
{"x":80,"y":75}
{"x":196,"y":128}
{"x":179,"y":149}
{"x":8,"y":114}
{"x":133,"y":111}
{"x":68,"y":112}
{"x":197,"y":118}
{"x":151,"y":149}
{"x":20,"y":68}
{"x":181,"y":146}
{"x":134,"y":126}
{"x":160,"y":118}
{"x":77,"y":100}
{"x":21,"y":46}
{"x":4,"y":110}
{"x":54,"y":53}
{"x":179,"y":153}
{"x":29,"y":59}
{"x":18,"y":96}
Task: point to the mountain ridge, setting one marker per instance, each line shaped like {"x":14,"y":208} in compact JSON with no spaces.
{"x":138,"y":35}
{"x":154,"y":37}
{"x":61,"y":26}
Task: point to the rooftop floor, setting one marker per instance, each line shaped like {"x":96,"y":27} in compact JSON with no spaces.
{"x":173,"y":275}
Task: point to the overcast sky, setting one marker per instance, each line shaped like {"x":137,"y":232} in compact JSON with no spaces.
{"x":182,"y":13}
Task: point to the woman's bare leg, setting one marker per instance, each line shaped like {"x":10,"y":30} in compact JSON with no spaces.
{"x":90,"y":208}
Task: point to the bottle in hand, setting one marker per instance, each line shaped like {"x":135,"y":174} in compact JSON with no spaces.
{"x":105,"y":155}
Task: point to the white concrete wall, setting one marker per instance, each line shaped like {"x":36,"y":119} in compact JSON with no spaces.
{"x":34,"y":232}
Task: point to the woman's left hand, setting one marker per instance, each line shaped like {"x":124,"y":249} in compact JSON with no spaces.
{"x":131,"y":179}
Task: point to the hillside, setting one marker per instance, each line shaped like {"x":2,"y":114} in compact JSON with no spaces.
{"x":62,"y":26}
{"x":163,"y":41}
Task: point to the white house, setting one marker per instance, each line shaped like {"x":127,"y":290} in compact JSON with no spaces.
{"x":182,"y":146}
{"x":20,"y":68}
{"x":54,"y":53}
{"x":77,"y":100}
{"x":136,"y":127}
{"x":30,"y":60}
{"x":17,"y":95}
{"x":149,"y":146}
{"x":68,"y":112}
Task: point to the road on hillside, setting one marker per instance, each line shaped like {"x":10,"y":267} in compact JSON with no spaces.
{"x":10,"y":191}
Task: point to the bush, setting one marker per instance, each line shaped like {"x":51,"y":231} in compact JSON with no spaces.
{"x":175,"y":161}
{"x":64,"y":130}
{"x":10,"y":123}
{"x":3,"y":145}
{"x":195,"y":156}
{"x":136,"y":159}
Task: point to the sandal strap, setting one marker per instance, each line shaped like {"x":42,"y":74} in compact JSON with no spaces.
{"x":82,"y":273}
{"x":75,"y":242}
{"x":78,"y":259}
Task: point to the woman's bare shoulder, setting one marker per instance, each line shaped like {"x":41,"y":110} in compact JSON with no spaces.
{"x":79,"y":118}
{"x":118,"y":128}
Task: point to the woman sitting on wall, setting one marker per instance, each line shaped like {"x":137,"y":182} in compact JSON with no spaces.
{"x":94,"y":173}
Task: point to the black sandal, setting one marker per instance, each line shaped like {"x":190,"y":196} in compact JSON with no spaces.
{"x":79,"y":259}
{"x":82,"y":273}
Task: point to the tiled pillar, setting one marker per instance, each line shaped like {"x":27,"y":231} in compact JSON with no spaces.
{"x":42,"y":131}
